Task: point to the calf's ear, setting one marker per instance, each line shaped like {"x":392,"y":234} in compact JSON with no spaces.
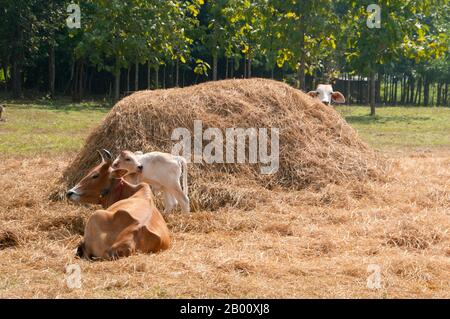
{"x":313,"y":93}
{"x":338,"y":97}
{"x":132,"y":178}
{"x":118,"y":173}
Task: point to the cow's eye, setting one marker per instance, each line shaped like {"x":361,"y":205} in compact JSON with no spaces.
{"x":128,"y":159}
{"x":95,"y":176}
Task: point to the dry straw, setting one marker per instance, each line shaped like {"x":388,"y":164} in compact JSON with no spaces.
{"x":317,"y":146}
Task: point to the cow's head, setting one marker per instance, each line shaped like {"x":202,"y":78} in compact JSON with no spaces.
{"x":326,"y":94}
{"x":97,"y":183}
{"x":128,"y":160}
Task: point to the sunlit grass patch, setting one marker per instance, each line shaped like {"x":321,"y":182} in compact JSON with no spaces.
{"x":401,"y":127}
{"x":47,"y":128}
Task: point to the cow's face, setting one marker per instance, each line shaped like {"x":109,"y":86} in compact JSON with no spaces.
{"x":96,"y":183}
{"x":128,"y":160}
{"x":326,"y":95}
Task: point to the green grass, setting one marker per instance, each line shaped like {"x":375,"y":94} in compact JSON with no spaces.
{"x":42,"y":126}
{"x":401,"y":128}
{"x":47,"y":127}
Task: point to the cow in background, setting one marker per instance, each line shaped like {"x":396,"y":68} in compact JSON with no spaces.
{"x":326,"y":95}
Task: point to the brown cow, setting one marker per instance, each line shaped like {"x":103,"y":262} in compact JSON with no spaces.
{"x":131,"y":221}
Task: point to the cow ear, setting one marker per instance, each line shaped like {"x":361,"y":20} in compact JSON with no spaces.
{"x":149,"y":238}
{"x":313,"y":93}
{"x":118,"y":173}
{"x":338,"y":97}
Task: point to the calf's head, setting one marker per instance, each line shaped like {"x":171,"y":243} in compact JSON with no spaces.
{"x":97,"y":183}
{"x":128,"y":160}
{"x":326,"y":94}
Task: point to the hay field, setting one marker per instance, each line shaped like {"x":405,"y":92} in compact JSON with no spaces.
{"x":307,"y":243}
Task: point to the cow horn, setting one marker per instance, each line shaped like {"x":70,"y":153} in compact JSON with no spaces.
{"x":101,"y":155}
{"x":108,"y":154}
{"x":105,"y":155}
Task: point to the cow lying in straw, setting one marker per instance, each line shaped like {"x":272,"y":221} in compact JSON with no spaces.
{"x":162,"y":171}
{"x":131,"y":221}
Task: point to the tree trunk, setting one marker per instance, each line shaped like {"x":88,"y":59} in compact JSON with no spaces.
{"x":405,"y":101}
{"x":215,"y":62}
{"x":378,"y":89}
{"x":136,"y":76}
{"x":385,"y":89}
{"x":426,"y":91}
{"x":413,"y":88}
{"x":439,"y":93}
{"x":372,"y":93}
{"x":117,"y":85}
{"x":149,"y":75}
{"x":78,"y":81}
{"x":177,"y":73}
{"x":302,"y":65}
{"x":418,"y":98}
{"x":232,"y":69}
{"x":347,"y":93}
{"x":395,"y":90}
{"x":226,"y":68}
{"x":249,"y":73}
{"x":391,"y":88}
{"x":183,"y":80}
{"x":72,"y":72}
{"x":17,"y":80}
{"x":89,"y":87}
{"x":402,"y":90}
{"x":245,"y":67}
{"x":446,"y":94}
{"x":164,"y":76}
{"x":157,"y":76}
{"x":81,"y":81}
{"x":128,"y":80}
{"x":51,"y":71}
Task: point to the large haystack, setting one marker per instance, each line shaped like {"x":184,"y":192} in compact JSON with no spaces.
{"x":317,"y":146}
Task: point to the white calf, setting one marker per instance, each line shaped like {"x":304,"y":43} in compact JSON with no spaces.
{"x":162,"y":171}
{"x":326,"y":94}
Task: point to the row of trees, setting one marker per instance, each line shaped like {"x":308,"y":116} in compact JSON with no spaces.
{"x":179,"y":42}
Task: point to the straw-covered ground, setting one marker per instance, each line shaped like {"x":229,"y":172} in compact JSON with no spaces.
{"x":281,"y":242}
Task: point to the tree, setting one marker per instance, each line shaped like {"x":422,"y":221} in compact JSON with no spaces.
{"x":401,"y":33}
